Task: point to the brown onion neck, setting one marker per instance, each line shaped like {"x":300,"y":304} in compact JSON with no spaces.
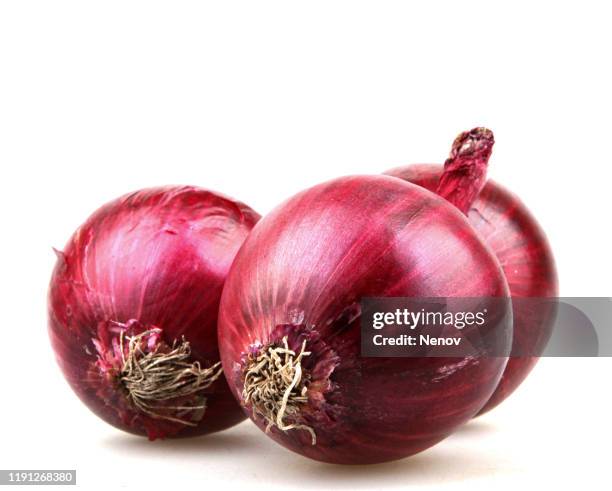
{"x":465,"y":171}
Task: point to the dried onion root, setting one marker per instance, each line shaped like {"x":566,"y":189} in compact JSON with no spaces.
{"x":151,"y":378}
{"x":275,"y":386}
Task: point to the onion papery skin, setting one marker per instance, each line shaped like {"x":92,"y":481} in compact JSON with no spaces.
{"x":519,"y":243}
{"x":301,"y":274}
{"x":153,"y":259}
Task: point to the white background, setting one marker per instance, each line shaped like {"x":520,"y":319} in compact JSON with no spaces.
{"x":259,"y":100}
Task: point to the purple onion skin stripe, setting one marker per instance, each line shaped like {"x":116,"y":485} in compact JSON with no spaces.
{"x":301,"y":274}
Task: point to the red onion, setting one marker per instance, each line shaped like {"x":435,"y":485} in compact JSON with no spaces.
{"x":289,"y":320}
{"x":133,"y":306}
{"x":511,"y":231}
